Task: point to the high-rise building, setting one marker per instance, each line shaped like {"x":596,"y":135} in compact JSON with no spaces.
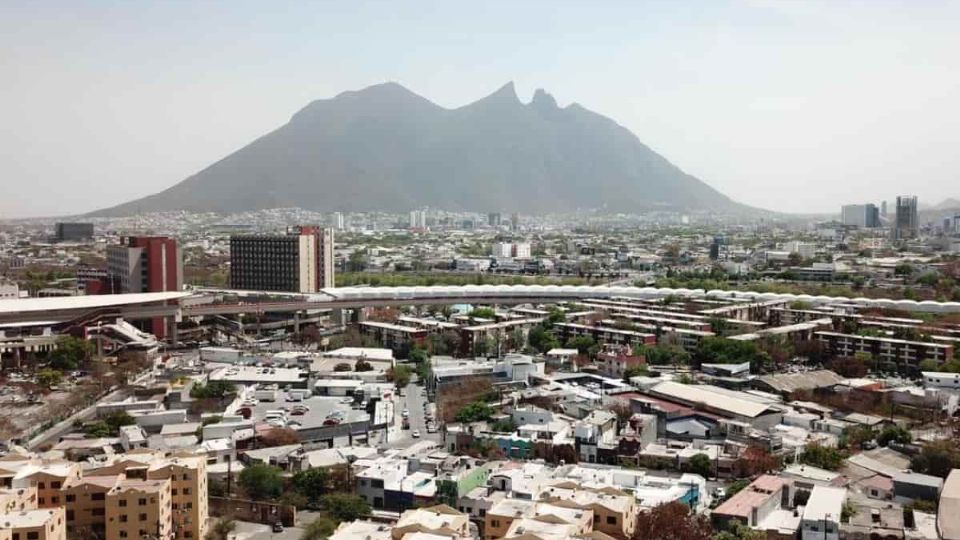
{"x":905,"y":222}
{"x":514,"y":222}
{"x":71,"y":232}
{"x":883,"y":208}
{"x":493,"y":219}
{"x":337,"y":221}
{"x":146,"y":264}
{"x":299,"y":261}
{"x":418,"y":219}
{"x":141,"y":264}
{"x":860,"y":215}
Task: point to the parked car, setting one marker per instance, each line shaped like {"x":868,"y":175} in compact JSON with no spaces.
{"x":416,"y":434}
{"x":277,"y":527}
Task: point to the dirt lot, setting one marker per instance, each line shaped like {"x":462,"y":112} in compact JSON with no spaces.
{"x":24,"y":408}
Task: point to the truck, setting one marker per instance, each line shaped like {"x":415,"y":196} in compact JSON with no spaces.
{"x":267,"y":394}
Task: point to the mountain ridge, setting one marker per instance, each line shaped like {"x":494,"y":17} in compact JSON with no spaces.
{"x":384,"y":147}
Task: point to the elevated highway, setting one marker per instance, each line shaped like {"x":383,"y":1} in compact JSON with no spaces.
{"x":180,"y":305}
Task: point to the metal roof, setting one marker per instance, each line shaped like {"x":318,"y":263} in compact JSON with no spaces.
{"x":61,"y":303}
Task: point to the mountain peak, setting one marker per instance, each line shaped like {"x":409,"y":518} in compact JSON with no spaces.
{"x":543,"y":101}
{"x":506,"y":94}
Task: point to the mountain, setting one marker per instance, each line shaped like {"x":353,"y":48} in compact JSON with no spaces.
{"x":386,"y":148}
{"x":947,"y":204}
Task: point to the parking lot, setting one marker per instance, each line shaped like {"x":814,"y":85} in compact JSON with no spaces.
{"x":320,"y":408}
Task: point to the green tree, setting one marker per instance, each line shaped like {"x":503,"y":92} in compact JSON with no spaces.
{"x":213,"y":389}
{"x":542,"y":339}
{"x":49,"y":377}
{"x":71,"y":353}
{"x":418,"y":355}
{"x":400,"y":375}
{"x":483,"y":313}
{"x":937,"y":458}
{"x":895,"y":434}
{"x":345,"y":506}
{"x":583,"y":344}
{"x":261,"y":482}
{"x":700,"y":464}
{"x":474,"y":412}
{"x":635,"y":371}
{"x":822,"y":456}
{"x":312,"y":484}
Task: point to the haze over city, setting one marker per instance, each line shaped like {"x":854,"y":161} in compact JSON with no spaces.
{"x":785,"y":106}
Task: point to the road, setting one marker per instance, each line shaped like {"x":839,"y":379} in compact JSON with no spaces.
{"x":413,"y":400}
{"x":247,"y":530}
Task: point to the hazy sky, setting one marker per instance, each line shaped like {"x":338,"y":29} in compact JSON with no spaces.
{"x":789,"y":105}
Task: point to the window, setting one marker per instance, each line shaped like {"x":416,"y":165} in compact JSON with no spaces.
{"x":495,"y":523}
{"x":189,"y":505}
{"x":41,"y":485}
{"x":611,"y":520}
{"x":71,"y":497}
{"x":173,"y":492}
{"x":175,"y":506}
{"x":41,"y":500}
{"x":188,"y":534}
{"x":123,"y":534}
{"x":97,"y":497}
{"x":143,"y":517}
{"x":33,"y":535}
{"x":186,"y":476}
{"x":186,"y":491}
{"x":483,"y":512}
{"x":69,"y":515}
{"x":97,"y":511}
{"x":142,"y":502}
{"x":54,"y":485}
{"x":123,"y":502}
{"x":54,"y":500}
{"x":123,"y":518}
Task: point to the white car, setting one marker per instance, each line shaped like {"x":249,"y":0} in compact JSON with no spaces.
{"x":406,"y":413}
{"x":416,"y":434}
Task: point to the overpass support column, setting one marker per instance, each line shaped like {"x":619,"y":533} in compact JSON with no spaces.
{"x":336,"y":315}
{"x":296,"y":322}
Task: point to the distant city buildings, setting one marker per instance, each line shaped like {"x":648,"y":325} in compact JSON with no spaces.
{"x":72,"y":232}
{"x":418,"y":219}
{"x":865,"y":216}
{"x":508,"y":250}
{"x":299,"y":261}
{"x":905,"y":221}
{"x":337,"y":221}
{"x":493,"y":219}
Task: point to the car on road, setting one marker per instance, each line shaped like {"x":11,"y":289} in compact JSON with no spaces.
{"x":431,"y":428}
{"x":405,"y":413}
{"x":277,"y":527}
{"x":416,"y":434}
{"x":720,"y":493}
{"x":346,"y":400}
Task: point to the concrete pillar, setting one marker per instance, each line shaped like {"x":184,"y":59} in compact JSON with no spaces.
{"x":296,"y":322}
{"x":336,"y":315}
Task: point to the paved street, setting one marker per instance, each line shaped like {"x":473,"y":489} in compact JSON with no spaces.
{"x":255,"y":531}
{"x":413,"y":400}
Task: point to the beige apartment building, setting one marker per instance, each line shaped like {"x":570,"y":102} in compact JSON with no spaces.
{"x":138,"y":509}
{"x":188,"y":479}
{"x":86,"y":503}
{"x":17,"y":499}
{"x":48,"y":479}
{"x":37,"y":524}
